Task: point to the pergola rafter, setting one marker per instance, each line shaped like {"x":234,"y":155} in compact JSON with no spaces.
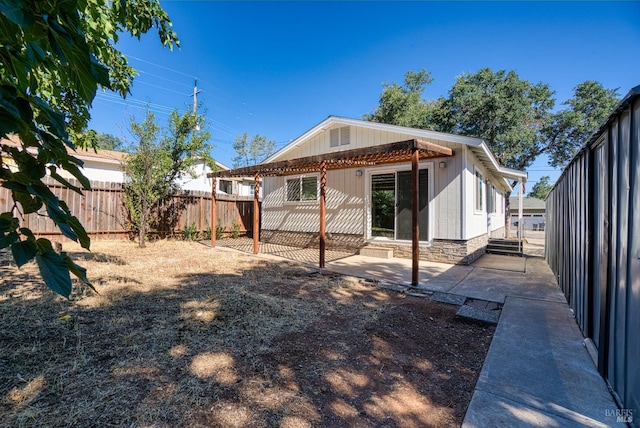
{"x":403,"y":151}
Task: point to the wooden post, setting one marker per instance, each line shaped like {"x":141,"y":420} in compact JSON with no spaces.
{"x":214,"y":215}
{"x":256,"y":214}
{"x":201,"y":225}
{"x":415,"y":207}
{"x":323,"y":212}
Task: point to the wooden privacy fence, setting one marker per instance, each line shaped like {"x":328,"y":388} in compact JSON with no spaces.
{"x":102,"y":212}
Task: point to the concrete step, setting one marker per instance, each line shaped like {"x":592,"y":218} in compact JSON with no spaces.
{"x":504,"y":252}
{"x":506,"y":247}
{"x":379,"y":252}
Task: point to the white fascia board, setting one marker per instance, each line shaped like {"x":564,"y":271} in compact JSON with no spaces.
{"x":514,"y":174}
{"x":95,"y":159}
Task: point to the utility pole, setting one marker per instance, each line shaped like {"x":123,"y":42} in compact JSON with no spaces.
{"x":195,"y":93}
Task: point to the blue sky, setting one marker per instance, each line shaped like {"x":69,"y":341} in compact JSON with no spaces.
{"x":279,"y":68}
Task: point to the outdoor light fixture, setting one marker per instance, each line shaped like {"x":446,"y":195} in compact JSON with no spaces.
{"x":442,"y":164}
{"x":358,"y":173}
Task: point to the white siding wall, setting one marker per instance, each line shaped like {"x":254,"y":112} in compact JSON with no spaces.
{"x":479,"y":222}
{"x":447,"y":195}
{"x":346,"y":209}
{"x":345,"y":205}
{"x":99,"y":171}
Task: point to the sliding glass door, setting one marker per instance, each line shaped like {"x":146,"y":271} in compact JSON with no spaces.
{"x":391,"y":205}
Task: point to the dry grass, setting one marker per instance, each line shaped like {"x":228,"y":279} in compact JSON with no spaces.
{"x":185,"y":335}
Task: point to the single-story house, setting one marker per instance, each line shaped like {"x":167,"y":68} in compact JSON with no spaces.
{"x":347,"y":184}
{"x":533,"y":213}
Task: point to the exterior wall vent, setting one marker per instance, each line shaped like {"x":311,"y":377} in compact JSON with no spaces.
{"x":340,"y":136}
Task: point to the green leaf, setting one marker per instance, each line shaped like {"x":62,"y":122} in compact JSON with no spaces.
{"x":55,"y":272}
{"x":81,"y":233}
{"x":23,"y":251}
{"x":8,"y":239}
{"x":62,"y":180}
{"x":15,"y":14}
{"x":27,"y":232}
{"x":78,"y":271}
{"x":8,"y":222}
{"x":29,"y":203}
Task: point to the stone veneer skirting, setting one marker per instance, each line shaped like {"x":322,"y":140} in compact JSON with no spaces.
{"x":461,"y":252}
{"x":335,"y":241}
{"x":498,"y":233}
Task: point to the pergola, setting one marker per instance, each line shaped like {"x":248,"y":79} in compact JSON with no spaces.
{"x":403,"y":151}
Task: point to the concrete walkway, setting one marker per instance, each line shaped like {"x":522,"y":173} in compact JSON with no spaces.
{"x":537,"y":371}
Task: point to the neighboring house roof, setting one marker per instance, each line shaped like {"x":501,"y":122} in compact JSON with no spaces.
{"x":107,"y":156}
{"x":476,"y":145}
{"x":528,"y":203}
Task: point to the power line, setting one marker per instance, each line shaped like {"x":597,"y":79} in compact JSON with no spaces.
{"x":163,"y":78}
{"x":158,"y":65}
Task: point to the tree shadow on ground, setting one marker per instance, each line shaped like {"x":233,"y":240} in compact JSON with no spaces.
{"x":275,"y":345}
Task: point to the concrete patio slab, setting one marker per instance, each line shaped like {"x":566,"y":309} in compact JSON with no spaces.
{"x":432,"y":276}
{"x":500,"y":262}
{"x":495,"y":285}
{"x":537,"y":368}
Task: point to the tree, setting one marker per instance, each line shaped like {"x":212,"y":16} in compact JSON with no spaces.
{"x":404,"y":105}
{"x":54,"y":57}
{"x":571,"y":127}
{"x":541,"y":189}
{"x":254,"y":152}
{"x":504,"y":110}
{"x":98,"y":140}
{"x":512,"y":115}
{"x":157,"y":160}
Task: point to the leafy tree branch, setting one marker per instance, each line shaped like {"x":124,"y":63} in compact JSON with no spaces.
{"x":55,"y":56}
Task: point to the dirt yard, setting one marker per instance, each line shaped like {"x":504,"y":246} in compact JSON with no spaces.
{"x":185,"y":335}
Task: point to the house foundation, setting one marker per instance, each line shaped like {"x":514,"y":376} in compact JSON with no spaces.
{"x":461,"y":252}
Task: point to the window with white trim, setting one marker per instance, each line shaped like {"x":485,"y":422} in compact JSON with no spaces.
{"x":302,"y":189}
{"x":479,"y":190}
{"x":340,"y":136}
{"x":492,"y":199}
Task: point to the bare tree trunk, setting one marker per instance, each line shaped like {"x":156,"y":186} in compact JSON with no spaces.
{"x":143,"y":224}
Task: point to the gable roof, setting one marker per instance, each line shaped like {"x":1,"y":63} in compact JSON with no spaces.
{"x":100,"y":155}
{"x":400,"y":151}
{"x":476,"y":145}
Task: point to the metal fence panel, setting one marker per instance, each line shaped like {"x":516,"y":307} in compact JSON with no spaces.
{"x":593,"y":246}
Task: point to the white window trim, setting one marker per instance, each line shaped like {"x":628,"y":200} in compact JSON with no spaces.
{"x":477,"y":180}
{"x":428,"y":165}
{"x":300,"y":177}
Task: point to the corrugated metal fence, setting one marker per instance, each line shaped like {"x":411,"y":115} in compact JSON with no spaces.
{"x":102,"y":212}
{"x":593,"y":246}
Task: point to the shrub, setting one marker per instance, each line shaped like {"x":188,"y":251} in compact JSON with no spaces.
{"x":235,"y":229}
{"x":190,"y":232}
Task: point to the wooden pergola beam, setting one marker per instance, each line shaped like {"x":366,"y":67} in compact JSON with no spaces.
{"x":403,"y":151}
{"x":366,"y":156}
